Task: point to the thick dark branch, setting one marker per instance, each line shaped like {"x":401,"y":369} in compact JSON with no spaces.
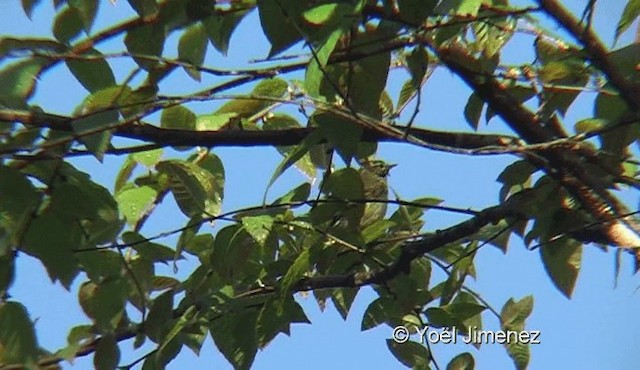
{"x":528,"y":126}
{"x":240,"y":138}
{"x":412,"y":250}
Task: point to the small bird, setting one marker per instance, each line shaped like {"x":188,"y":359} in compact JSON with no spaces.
{"x":375,"y":187}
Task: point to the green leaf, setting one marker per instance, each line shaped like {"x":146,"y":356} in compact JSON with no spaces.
{"x":367,"y":77}
{"x":51,"y":240}
{"x":195,"y":189}
{"x":144,"y":8}
{"x":258,"y":227}
{"x":626,"y":61}
{"x":415,"y":11}
{"x":240,"y":350}
{"x":588,"y":125}
{"x":407,"y":92}
{"x":316,"y":68}
{"x":136,"y":202}
{"x":97,"y":116}
{"x":77,"y":336}
{"x":270,"y":88}
{"x":512,"y":317}
{"x":231,"y":253}
{"x":94,"y":75}
{"x":148,"y":158}
{"x":294,"y":156}
{"x":192,"y":48}
{"x":463,"y":361}
{"x":281,"y":121}
{"x":410,"y":354}
{"x":19,"y":199}
{"x":473,"y":110}
{"x":298,"y":269}
{"x":340,"y":132}
{"x":17,"y":337}
{"x":19,"y":80}
{"x":11,"y":45}
{"x":160,"y":318}
{"x":178,"y":117}
{"x":101,"y":264}
{"x":28,"y":6}
{"x":343,"y":299}
{"x":556,"y":71}
{"x":87,"y":10}
{"x":418,"y":63}
{"x":124,"y":174}
{"x":7,"y":272}
{"x":147,"y":40}
{"x":324,"y":13}
{"x":149,"y":251}
{"x":67,"y":25}
{"x":382,"y":310}
{"x":469,"y":7}
{"x":220,"y":28}
{"x":298,"y":194}
{"x":515,"y":177}
{"x":107,"y":355}
{"x":104,"y":302}
{"x":629,"y":15}
{"x":562,"y":260}
{"x":279,"y":27}
{"x":276,"y":317}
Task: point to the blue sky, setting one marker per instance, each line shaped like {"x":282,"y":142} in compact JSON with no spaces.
{"x":596,"y":329}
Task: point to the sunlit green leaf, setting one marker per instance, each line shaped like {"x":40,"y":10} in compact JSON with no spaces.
{"x":629,"y":15}
{"x":195,"y":189}
{"x":178,"y":117}
{"x":134,"y":203}
{"x":258,"y":227}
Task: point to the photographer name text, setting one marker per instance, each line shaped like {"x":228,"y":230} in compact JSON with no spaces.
{"x":472,"y":335}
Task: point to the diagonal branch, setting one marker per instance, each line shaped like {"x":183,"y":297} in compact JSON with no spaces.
{"x":566,"y":165}
{"x":595,"y":49}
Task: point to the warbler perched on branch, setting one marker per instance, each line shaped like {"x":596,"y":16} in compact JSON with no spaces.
{"x":362,"y":194}
{"x":375,"y":187}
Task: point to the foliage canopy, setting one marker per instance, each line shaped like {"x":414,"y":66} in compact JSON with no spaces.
{"x":561,"y":193}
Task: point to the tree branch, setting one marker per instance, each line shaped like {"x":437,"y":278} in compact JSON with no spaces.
{"x":597,"y":52}
{"x":240,"y":138}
